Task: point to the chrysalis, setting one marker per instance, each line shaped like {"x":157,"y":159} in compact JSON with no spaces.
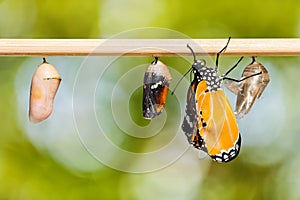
{"x":250,"y":89}
{"x":44,"y":85}
{"x":156,"y":86}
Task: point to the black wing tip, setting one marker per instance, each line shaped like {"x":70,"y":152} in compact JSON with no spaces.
{"x":225,"y":157}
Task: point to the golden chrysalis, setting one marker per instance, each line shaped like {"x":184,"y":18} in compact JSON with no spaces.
{"x":44,"y":85}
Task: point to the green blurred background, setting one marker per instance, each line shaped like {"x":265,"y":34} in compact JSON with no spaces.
{"x":48,"y":160}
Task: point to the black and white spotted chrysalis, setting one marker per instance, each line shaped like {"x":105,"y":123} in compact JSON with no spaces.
{"x":156,"y":86}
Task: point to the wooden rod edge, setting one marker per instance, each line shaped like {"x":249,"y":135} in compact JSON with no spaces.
{"x":148,"y":47}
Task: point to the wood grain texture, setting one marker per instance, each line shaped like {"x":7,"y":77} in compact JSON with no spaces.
{"x":148,"y":47}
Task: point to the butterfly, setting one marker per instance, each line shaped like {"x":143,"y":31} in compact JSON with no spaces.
{"x":209,"y":123}
{"x":157,"y":79}
{"x":248,"y":90}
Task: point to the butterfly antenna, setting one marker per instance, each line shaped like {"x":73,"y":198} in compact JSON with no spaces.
{"x":194,"y":55}
{"x":188,"y":46}
{"x":219,"y":53}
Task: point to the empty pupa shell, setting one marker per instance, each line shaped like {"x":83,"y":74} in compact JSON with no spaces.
{"x":44,"y":85}
{"x":156,"y":86}
{"x":250,"y":89}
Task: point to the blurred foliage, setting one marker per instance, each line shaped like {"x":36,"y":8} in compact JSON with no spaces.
{"x":269,"y":171}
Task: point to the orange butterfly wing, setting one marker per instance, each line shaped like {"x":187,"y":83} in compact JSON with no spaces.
{"x":217,"y":124}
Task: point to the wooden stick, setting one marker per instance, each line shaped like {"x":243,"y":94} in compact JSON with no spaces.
{"x":148,"y":47}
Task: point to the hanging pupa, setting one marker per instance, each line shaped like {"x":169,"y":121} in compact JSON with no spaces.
{"x":156,"y":86}
{"x":250,"y":89}
{"x":44,"y":85}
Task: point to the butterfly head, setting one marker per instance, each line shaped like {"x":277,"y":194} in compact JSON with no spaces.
{"x":199,"y":64}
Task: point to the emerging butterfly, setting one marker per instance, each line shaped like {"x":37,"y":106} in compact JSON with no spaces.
{"x":249,"y":90}
{"x":210,"y":124}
